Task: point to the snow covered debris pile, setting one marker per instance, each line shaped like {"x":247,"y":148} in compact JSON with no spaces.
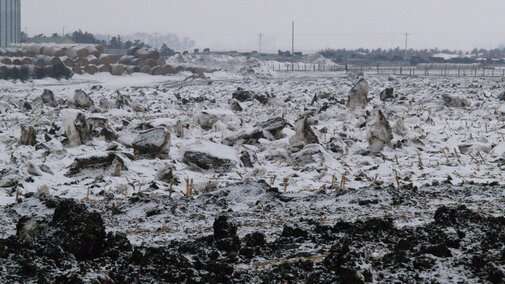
{"x":208,"y":156}
{"x":358,"y":96}
{"x":152,"y":142}
{"x":380,"y":135}
{"x":75,"y":126}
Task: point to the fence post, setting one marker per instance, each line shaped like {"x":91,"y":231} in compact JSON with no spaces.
{"x":378,"y":70}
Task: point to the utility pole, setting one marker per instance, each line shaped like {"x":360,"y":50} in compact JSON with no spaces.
{"x":260,"y":35}
{"x":293,"y":46}
{"x":406,"y":46}
{"x":293,"y":38}
{"x":63,"y":32}
{"x":156,"y":35}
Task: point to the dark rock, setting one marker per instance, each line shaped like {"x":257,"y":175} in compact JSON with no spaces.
{"x":235,"y":106}
{"x":48,"y":98}
{"x":242,"y":95}
{"x":207,"y":162}
{"x":387,"y":94}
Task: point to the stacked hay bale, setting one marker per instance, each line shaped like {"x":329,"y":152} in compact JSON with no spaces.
{"x":88,"y":59}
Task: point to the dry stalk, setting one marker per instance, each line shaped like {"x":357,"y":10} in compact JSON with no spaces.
{"x":272,"y":180}
{"x":397,"y":178}
{"x":171,"y":188}
{"x":285,"y":184}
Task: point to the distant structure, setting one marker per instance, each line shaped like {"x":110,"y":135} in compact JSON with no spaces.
{"x":10,"y":22}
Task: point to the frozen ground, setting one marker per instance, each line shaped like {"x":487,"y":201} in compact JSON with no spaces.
{"x":245,"y":165}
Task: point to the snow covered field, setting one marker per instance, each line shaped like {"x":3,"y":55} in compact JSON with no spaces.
{"x":268,"y":148}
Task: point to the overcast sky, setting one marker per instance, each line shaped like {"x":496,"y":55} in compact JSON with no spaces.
{"x":235,"y":24}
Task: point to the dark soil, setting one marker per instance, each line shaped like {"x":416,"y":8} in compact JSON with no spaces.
{"x":73,"y":247}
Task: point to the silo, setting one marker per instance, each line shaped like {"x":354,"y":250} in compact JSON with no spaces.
{"x":10,"y":22}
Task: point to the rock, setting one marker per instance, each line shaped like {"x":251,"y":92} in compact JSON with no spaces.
{"x":46,"y":169}
{"x":82,"y":100}
{"x":75,"y":126}
{"x":235,"y":106}
{"x":104,"y":103}
{"x":380,"y":135}
{"x":501,"y":97}
{"x":311,"y":153}
{"x":48,"y":98}
{"x":304,"y":134}
{"x":274,"y":126}
{"x":387,"y":94}
{"x":248,"y":137}
{"x":93,"y":162}
{"x":138,"y":107}
{"x":25,"y":106}
{"x":28,"y":136}
{"x":153,"y":142}
{"x":165,"y":174}
{"x":208,"y":156}
{"x":206,"y":119}
{"x":9,"y":177}
{"x":263,"y":99}
{"x":270,"y":129}
{"x":247,"y":159}
{"x":358,"y":96}
{"x":452,"y":101}
{"x":242,"y":95}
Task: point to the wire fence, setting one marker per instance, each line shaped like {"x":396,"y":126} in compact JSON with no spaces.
{"x":392,"y":70}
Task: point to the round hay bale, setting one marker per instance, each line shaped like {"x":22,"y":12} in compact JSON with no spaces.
{"x":142,"y":53}
{"x":27,"y":61}
{"x":126,"y":60}
{"x":135,"y":61}
{"x":150,"y":62}
{"x":179,"y":69}
{"x":93,"y":50}
{"x":161,"y":62}
{"x":80,"y":61}
{"x":12,"y":52}
{"x":92,"y":59}
{"x":117,"y":69}
{"x":70,"y":53}
{"x":77,"y":70}
{"x":17,"y":61}
{"x":100,"y":48}
{"x":81,"y":52}
{"x":168,"y":69}
{"x":132,"y":69}
{"x":91,"y":69}
{"x":154,"y":54}
{"x":6,"y":60}
{"x":67,"y":61}
{"x":146,"y":69}
{"x":36,"y":48}
{"x":108,"y":59}
{"x":104,"y":68}
{"x":157,"y":71}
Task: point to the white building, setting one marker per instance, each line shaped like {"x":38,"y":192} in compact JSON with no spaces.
{"x":10,"y":22}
